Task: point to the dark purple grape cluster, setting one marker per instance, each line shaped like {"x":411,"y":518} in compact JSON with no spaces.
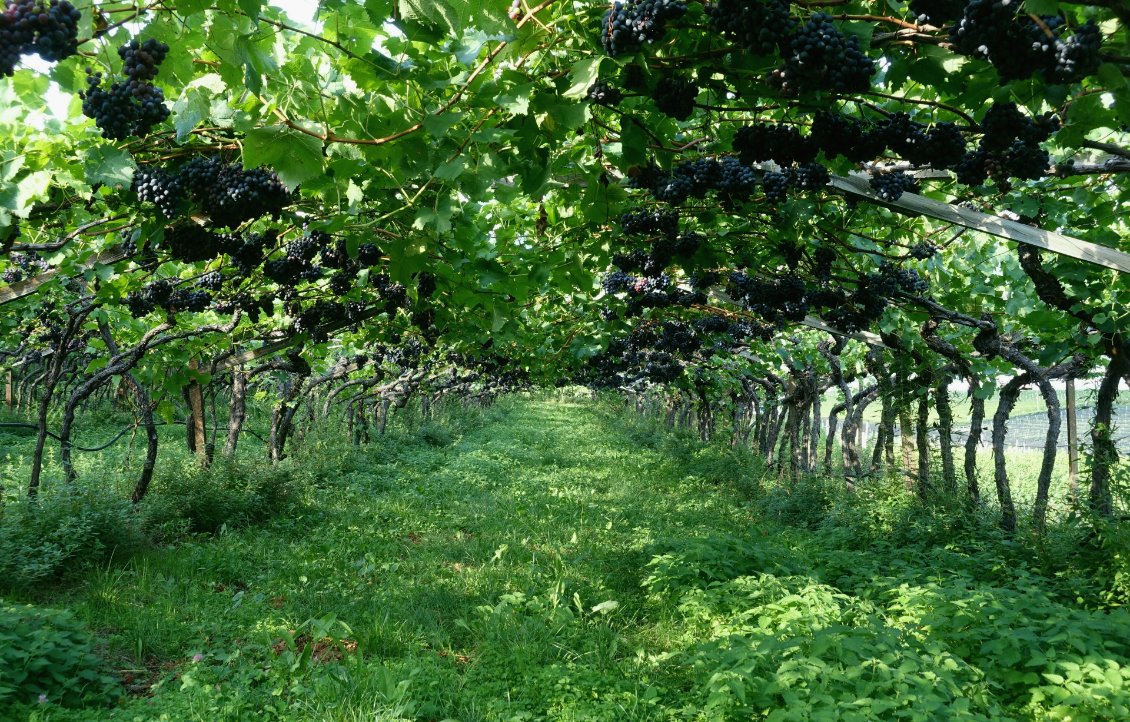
{"x":936,"y":12}
{"x":211,"y":281}
{"x":628,"y":25}
{"x":24,"y":265}
{"x":618,"y":282}
{"x":782,"y":144}
{"x":810,"y":176}
{"x":369,"y":255}
{"x":425,"y":285}
{"x":891,"y":186}
{"x":939,"y":146}
{"x":132,"y":106}
{"x":335,"y":253}
{"x":315,"y":319}
{"x":1078,"y":56}
{"x":823,"y":58}
{"x":248,"y":251}
{"x":230,"y":195}
{"x":341,"y":283}
{"x":822,"y":260}
{"x":284,"y":271}
{"x":122,"y":109}
{"x":1009,"y":148}
{"x":191,"y":243}
{"x":1018,"y":45}
{"x":760,"y":27}
{"x":674,"y":96}
{"x":163,"y":188}
{"x":736,"y":181}
{"x":152,"y":296}
{"x":190,"y":300}
{"x":775,"y":186}
{"x":778,"y":300}
{"x":923,"y":251}
{"x":140,"y":61}
{"x":838,"y":134}
{"x":648,"y":221}
{"x":302,"y":250}
{"x":603,"y":93}
{"x":47,"y":29}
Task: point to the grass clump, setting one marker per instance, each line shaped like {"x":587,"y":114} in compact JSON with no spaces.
{"x":230,"y":494}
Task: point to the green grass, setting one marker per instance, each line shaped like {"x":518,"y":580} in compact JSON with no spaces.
{"x":553,"y":561}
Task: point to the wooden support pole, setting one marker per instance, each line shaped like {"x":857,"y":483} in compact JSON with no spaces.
{"x":195,"y":397}
{"x":8,"y":389}
{"x":1072,"y":444}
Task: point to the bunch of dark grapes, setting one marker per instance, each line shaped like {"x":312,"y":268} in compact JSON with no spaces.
{"x":189,"y":300}
{"x":777,"y":300}
{"x":132,"y":106}
{"x":341,"y":283}
{"x":302,"y":249}
{"x":48,"y":29}
{"x":648,"y":221}
{"x":369,"y":254}
{"x":322,"y":314}
{"x":247,"y":252}
{"x":425,"y":285}
{"x":141,"y":60}
{"x":336,"y":254}
{"x":782,"y":144}
{"x":231,"y":195}
{"x":822,"y":260}
{"x":760,"y":27}
{"x":285,"y":271}
{"x":674,"y":96}
{"x":151,"y":296}
{"x":923,"y":251}
{"x":702,"y":280}
{"x":17,"y":32}
{"x":602,"y":93}
{"x":689,"y":179}
{"x":1078,"y":56}
{"x":823,"y":58}
{"x":190,"y":243}
{"x":1010,"y":147}
{"x":1018,"y":45}
{"x":211,"y":281}
{"x":628,"y":25}
{"x":776,"y":186}
{"x":630,"y":262}
{"x":618,"y":282}
{"x":936,"y":12}
{"x":809,"y":176}
{"x":837,"y":134}
{"x":891,"y":186}
{"x":121,"y":110}
{"x":736,"y":181}
{"x":163,"y":188}
{"x":943,"y":147}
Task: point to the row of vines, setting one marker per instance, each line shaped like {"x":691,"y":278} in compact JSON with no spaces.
{"x":723,"y":209}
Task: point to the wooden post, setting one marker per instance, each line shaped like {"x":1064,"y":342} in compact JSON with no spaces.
{"x":8,"y":389}
{"x":195,"y":397}
{"x":1072,"y":444}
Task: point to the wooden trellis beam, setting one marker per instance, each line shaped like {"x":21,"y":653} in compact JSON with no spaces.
{"x":857,"y":186}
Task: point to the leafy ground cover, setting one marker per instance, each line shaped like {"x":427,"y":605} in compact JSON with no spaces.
{"x":554,"y":561}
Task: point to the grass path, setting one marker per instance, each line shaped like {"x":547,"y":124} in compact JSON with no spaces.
{"x":556,"y":563}
{"x":415,"y":549}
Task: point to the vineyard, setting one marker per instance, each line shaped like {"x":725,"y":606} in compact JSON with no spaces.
{"x":870,"y":260}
